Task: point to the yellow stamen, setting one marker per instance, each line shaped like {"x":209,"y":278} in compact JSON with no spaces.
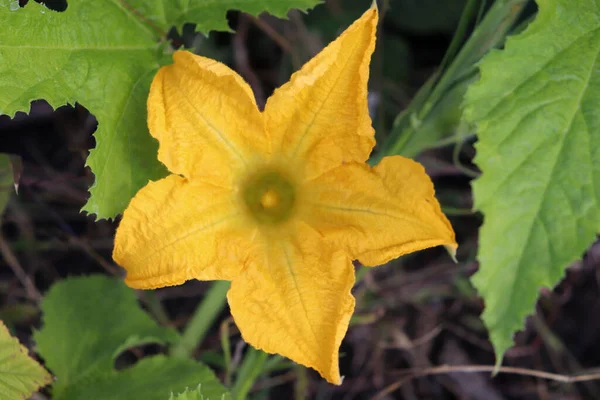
{"x":270,"y":199}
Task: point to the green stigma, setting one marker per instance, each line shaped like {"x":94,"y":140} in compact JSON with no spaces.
{"x":269,"y":197}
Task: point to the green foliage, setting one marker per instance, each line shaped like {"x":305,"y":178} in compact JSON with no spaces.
{"x":189,"y":395}
{"x":194,"y":395}
{"x":88,"y":322}
{"x":98,"y":54}
{"x":20,"y":376}
{"x":443,"y":118}
{"x":537,"y":107}
{"x":104,"y":54}
{"x":435,"y":111}
{"x":152,"y":378}
{"x":210,"y":15}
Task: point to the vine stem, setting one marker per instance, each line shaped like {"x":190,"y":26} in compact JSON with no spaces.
{"x":458,"y":65}
{"x":249,"y":371}
{"x":209,"y":309}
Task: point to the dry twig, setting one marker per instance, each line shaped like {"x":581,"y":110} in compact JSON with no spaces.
{"x":413,"y":373}
{"x":18,"y":270}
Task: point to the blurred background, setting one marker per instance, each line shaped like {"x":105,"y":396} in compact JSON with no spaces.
{"x":412,"y":314}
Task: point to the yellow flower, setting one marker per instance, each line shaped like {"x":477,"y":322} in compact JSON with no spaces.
{"x":279,"y":202}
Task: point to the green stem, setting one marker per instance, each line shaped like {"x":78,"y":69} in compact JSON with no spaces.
{"x":489,"y":34}
{"x":226,"y":346}
{"x":206,"y":313}
{"x":472,"y":8}
{"x":248,"y":373}
{"x":302,"y":383}
{"x":155,"y":307}
{"x":362,"y":271}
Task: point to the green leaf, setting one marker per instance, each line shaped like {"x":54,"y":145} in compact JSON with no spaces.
{"x":537,"y":106}
{"x":197,"y":394}
{"x":96,"y":318}
{"x":103,"y":54}
{"x":88,"y":322}
{"x":20,"y":376}
{"x":152,"y":378}
{"x":189,"y":395}
{"x":210,"y":15}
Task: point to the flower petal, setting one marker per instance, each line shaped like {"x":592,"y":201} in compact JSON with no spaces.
{"x":295,"y":300}
{"x":320,"y":118}
{"x":378,"y":214}
{"x":205,"y":119}
{"x":174,"y":230}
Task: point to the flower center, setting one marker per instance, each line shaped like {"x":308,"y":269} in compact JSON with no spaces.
{"x":269,"y":197}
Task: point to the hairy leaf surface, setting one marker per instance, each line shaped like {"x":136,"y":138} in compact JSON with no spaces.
{"x":152,"y":378}
{"x":197,"y":394}
{"x":537,"y":107}
{"x":87,"y":323}
{"x":20,"y":375}
{"x":97,"y":53}
{"x":210,"y":15}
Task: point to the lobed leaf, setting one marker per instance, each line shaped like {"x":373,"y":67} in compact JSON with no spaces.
{"x":210,"y":15}
{"x":87,"y":323}
{"x":537,"y":107}
{"x":20,"y":375}
{"x":152,"y":378}
{"x":101,"y":55}
{"x":189,"y":395}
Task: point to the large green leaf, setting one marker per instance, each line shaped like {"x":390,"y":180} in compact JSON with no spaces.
{"x":95,"y":319}
{"x":152,"y":378}
{"x":103,"y":54}
{"x":88,"y":322}
{"x":210,"y":15}
{"x":537,"y":107}
{"x":20,"y":376}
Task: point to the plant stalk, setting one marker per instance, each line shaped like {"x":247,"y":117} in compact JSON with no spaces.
{"x":458,"y":66}
{"x":249,"y":372}
{"x":203,"y":318}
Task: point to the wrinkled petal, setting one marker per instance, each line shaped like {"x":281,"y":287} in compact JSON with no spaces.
{"x":174,"y":230}
{"x":320,"y":118}
{"x":205,"y":119}
{"x":295,"y":300}
{"x":378,"y":214}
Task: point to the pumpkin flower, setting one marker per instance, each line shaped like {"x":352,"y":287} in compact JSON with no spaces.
{"x":278,"y":201}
